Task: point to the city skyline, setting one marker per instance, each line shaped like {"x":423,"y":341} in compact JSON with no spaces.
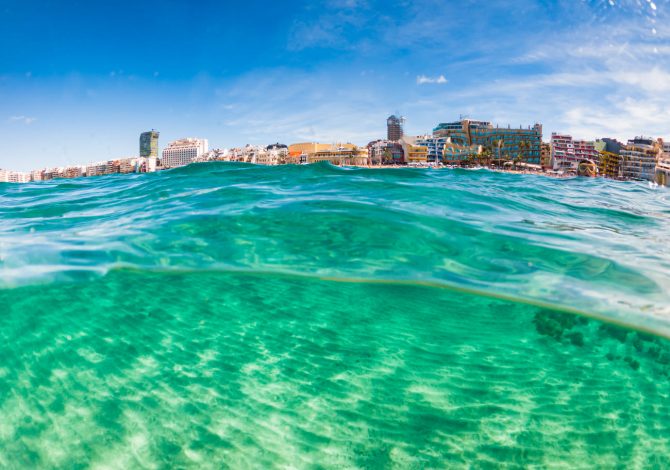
{"x":73,"y":91}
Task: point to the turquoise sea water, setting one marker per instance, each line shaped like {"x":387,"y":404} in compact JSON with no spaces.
{"x":232,"y":316}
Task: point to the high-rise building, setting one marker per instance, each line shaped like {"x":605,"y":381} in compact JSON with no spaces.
{"x":504,"y":143}
{"x":395,"y":127}
{"x":149,"y":144}
{"x":183,"y":151}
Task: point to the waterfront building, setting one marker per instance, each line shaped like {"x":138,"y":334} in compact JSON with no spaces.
{"x":416,"y":153}
{"x":585,"y":151}
{"x":562,"y":152}
{"x":113,"y":166}
{"x":183,"y":151}
{"x":55,"y":173}
{"x":252,"y":154}
{"x":312,"y":152}
{"x":149,"y":143}
{"x":72,"y":172}
{"x":128,"y":165}
{"x":96,"y":169}
{"x":8,"y":176}
{"x":36,"y":175}
{"x":340,"y":154}
{"x":567,"y":154}
{"x":610,"y":165}
{"x":664,"y":148}
{"x":435,"y":146}
{"x":386,"y":152}
{"x":395,"y":127}
{"x":504,"y":144}
{"x":150,"y":164}
{"x":235,"y":154}
{"x":306,"y":147}
{"x":662,"y":173}
{"x":639,"y":159}
{"x":221,"y":155}
{"x":455,"y":154}
{"x":18,"y":177}
{"x":276,"y":154}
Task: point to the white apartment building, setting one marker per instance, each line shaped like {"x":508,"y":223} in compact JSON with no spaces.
{"x":435,"y":146}
{"x":567,"y":153}
{"x":7,"y":176}
{"x":96,"y":169}
{"x":183,"y":151}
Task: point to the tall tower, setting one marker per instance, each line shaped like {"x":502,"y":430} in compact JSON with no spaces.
{"x":149,"y":149}
{"x":394,"y":127}
{"x":149,"y":143}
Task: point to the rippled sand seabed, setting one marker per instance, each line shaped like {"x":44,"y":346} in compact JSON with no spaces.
{"x":235,"y":316}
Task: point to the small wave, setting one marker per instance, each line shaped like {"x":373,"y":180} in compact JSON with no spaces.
{"x":594,"y":246}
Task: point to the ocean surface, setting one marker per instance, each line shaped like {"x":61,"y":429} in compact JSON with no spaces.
{"x":236,"y":316}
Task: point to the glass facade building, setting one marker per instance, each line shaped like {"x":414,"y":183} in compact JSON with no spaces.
{"x":504,"y":143}
{"x":149,"y":144}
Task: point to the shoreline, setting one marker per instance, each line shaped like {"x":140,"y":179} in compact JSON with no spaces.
{"x":549,"y":174}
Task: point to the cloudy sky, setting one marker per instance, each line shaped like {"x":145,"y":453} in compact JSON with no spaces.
{"x":80,"y":80}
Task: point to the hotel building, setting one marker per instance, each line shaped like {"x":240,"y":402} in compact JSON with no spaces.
{"x":183,"y":151}
{"x":455,"y":154}
{"x":503,"y":143}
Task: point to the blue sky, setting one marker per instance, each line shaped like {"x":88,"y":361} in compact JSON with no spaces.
{"x":80,"y":80}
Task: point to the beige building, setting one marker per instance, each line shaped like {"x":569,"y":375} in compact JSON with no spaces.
{"x":416,"y":153}
{"x":350,"y":155}
{"x":337,"y":154}
{"x":307,"y":147}
{"x":184,"y":151}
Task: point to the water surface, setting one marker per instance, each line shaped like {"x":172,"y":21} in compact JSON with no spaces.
{"x":229,"y":315}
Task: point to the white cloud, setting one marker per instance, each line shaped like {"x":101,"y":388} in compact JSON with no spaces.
{"x":24,"y":119}
{"x":423,"y":79}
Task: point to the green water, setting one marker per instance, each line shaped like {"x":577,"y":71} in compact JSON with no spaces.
{"x":231,"y":316}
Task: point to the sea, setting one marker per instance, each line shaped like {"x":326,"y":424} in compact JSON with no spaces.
{"x":228,"y":315}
